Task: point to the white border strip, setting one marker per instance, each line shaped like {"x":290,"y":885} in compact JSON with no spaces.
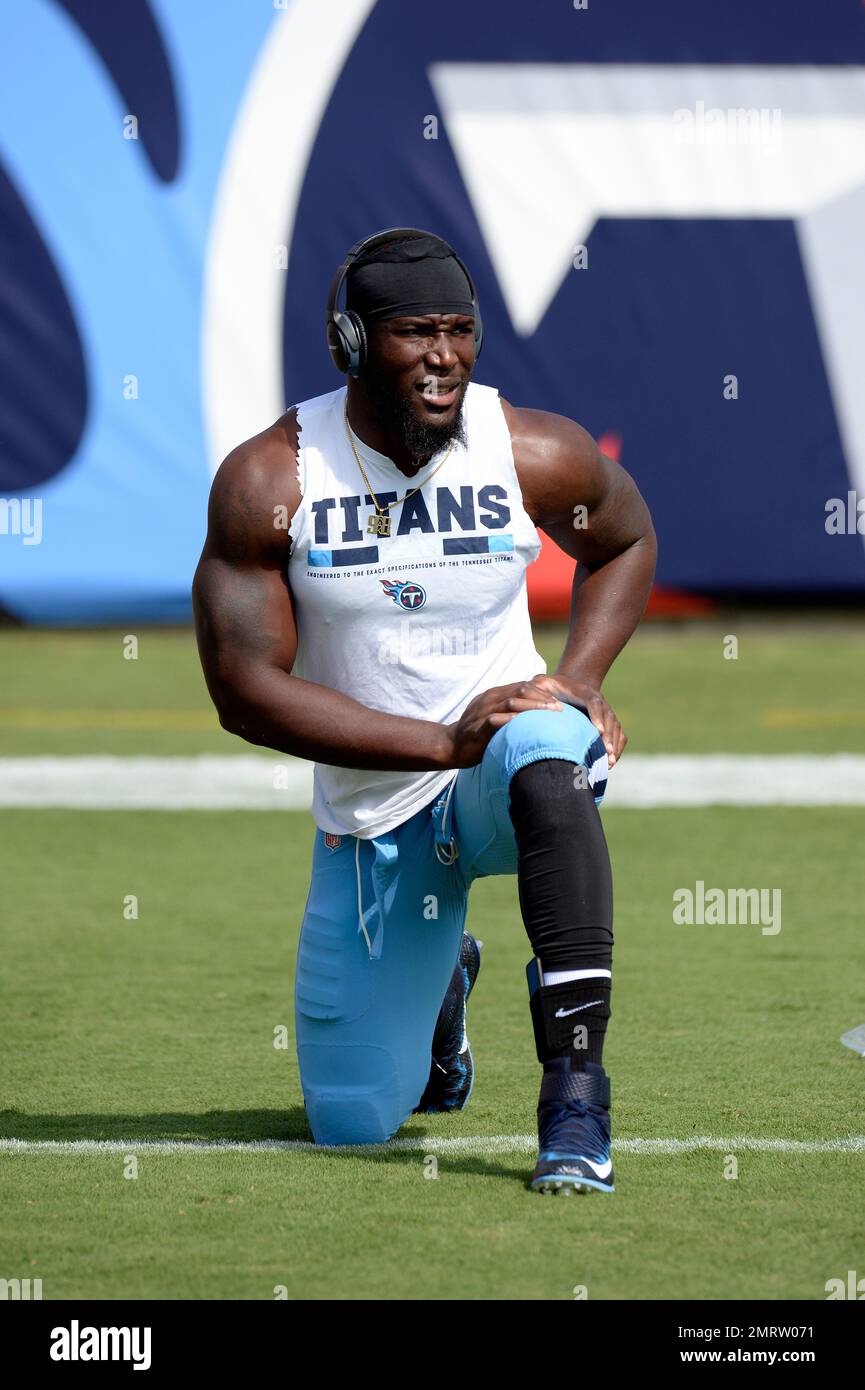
{"x":473,"y":1144}
{"x":253,"y":783}
{"x":254,"y":211}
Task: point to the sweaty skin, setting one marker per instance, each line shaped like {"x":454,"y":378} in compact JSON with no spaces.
{"x":244,"y":614}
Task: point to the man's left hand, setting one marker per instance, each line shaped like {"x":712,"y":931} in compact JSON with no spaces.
{"x":572,"y":691}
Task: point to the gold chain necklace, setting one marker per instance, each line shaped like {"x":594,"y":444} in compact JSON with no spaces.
{"x":380,"y":524}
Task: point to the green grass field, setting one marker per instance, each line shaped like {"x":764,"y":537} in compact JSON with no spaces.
{"x":796,"y":688}
{"x":163,"y":1027}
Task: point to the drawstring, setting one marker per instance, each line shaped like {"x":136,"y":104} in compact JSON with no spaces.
{"x":446,"y":847}
{"x":360,"y":924}
{"x":384,"y":872}
{"x":384,"y":875}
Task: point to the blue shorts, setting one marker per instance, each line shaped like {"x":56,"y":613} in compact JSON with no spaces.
{"x":383,"y":925}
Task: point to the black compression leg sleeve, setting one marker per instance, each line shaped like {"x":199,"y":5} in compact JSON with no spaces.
{"x":566,"y":898}
{"x":565,"y":882}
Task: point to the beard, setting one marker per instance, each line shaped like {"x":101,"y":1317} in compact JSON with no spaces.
{"x":420,"y":438}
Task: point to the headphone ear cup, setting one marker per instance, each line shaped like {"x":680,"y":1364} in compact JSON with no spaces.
{"x":340,"y":341}
{"x":359,"y":353}
{"x":347,"y":341}
{"x":337,"y":348}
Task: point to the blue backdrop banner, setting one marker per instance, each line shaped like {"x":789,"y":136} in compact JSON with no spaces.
{"x":663,"y":208}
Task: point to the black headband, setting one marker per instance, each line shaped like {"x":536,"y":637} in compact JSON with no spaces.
{"x":417,"y":275}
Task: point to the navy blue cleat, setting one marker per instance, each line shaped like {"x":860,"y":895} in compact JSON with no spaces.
{"x":452,"y":1072}
{"x":574,"y":1131}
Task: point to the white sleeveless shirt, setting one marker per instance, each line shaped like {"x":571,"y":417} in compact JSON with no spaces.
{"x":417,"y":623}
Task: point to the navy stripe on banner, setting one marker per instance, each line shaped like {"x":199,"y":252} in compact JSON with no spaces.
{"x":471,"y":545}
{"x":367,"y":555}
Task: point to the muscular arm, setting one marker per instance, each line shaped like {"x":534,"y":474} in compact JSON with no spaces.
{"x":561,"y":468}
{"x":247,"y":637}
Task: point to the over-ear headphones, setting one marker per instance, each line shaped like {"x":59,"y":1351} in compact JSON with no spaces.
{"x":346,"y":335}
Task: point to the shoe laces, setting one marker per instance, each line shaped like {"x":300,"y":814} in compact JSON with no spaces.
{"x":556,"y":1120}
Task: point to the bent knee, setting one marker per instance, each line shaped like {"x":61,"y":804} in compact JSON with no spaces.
{"x":542,"y":733}
{"x":341,"y":1117}
{"x":352,"y":1093}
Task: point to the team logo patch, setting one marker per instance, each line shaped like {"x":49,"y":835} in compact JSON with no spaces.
{"x":405,"y":593}
{"x":332,"y":841}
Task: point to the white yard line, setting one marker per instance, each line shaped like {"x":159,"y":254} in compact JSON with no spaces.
{"x":473,"y":1144}
{"x":254,"y":783}
{"x":239,"y":782}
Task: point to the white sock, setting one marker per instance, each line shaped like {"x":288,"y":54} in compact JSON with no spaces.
{"x":560,"y":977}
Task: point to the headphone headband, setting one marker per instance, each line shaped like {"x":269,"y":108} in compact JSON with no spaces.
{"x":346,"y":335}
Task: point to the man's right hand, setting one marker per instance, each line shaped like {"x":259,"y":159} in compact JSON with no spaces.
{"x":488,"y":712}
